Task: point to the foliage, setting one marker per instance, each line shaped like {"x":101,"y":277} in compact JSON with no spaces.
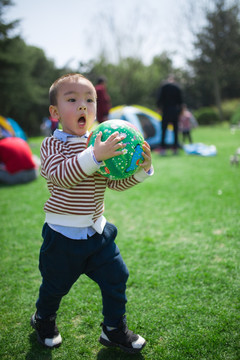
{"x":5,"y":28}
{"x":229,"y":107}
{"x":26,"y":73}
{"x":130,"y":81}
{"x":23,"y":91}
{"x":235,"y":119}
{"x":216,"y":65}
{"x":206,"y":116}
{"x":25,"y":76}
{"x":179,"y":235}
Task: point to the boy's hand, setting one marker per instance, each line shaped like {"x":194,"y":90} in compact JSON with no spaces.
{"x":147,"y":163}
{"x":113,"y":146}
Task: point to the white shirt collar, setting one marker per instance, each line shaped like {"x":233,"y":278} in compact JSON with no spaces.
{"x":63,"y":136}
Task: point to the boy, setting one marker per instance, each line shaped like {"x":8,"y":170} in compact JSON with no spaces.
{"x":77,"y":238}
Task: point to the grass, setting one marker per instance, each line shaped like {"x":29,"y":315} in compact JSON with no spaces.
{"x":178,"y":233}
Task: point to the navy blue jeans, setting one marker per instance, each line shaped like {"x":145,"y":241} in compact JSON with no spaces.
{"x":63,"y":260}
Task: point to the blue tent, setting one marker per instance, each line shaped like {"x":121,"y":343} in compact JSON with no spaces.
{"x":17,"y":129}
{"x":147,"y":121}
{"x":10,"y":127}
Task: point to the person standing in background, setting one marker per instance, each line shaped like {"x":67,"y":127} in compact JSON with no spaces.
{"x":169,"y":103}
{"x":186,"y":123}
{"x":103,"y":100}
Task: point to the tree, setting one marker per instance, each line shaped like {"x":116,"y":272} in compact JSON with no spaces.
{"x":130,"y":81}
{"x":5,"y":28}
{"x":216,"y":66}
{"x":25,"y":77}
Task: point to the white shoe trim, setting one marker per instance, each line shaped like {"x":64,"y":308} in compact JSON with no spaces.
{"x":138,"y":344}
{"x":53,"y":342}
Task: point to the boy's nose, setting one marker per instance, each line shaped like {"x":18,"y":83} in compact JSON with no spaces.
{"x":82,"y":107}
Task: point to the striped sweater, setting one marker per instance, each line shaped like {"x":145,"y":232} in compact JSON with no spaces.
{"x":76,"y":189}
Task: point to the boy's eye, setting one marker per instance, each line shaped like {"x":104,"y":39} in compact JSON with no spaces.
{"x":90,"y":100}
{"x":71,"y":100}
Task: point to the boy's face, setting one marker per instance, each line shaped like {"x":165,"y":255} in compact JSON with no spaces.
{"x":76,"y":105}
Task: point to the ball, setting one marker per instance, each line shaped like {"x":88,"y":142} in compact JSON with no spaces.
{"x":126,"y":164}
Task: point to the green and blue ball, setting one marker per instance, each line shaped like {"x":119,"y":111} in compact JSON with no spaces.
{"x":125,"y":165}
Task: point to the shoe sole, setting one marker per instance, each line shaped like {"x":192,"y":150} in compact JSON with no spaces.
{"x":38,"y":337}
{"x":124,"y":348}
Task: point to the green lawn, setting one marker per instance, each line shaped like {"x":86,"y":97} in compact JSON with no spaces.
{"x":179,"y":233}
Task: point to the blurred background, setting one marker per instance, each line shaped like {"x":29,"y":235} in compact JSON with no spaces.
{"x":135,"y":45}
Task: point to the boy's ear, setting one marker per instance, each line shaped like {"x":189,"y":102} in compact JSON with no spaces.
{"x":54,"y":112}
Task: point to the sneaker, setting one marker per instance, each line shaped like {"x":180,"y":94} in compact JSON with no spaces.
{"x":47,"y":331}
{"x":122,"y":337}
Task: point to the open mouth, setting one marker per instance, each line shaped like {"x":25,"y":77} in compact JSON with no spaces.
{"x":82,"y":121}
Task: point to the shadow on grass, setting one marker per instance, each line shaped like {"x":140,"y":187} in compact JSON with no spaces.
{"x":37,"y":351}
{"x":5,"y":185}
{"x":109,"y":354}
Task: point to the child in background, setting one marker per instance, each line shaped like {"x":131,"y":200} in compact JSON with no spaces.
{"x":186,"y":123}
{"x":77,"y":239}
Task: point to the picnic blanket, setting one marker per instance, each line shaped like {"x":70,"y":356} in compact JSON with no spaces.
{"x":200,"y":149}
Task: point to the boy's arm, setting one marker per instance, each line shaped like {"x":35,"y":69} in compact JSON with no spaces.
{"x":68,"y":172}
{"x":124,"y":184}
{"x":64,"y":171}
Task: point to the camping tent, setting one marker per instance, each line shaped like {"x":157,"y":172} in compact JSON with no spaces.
{"x":147,"y":121}
{"x":10,"y":128}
